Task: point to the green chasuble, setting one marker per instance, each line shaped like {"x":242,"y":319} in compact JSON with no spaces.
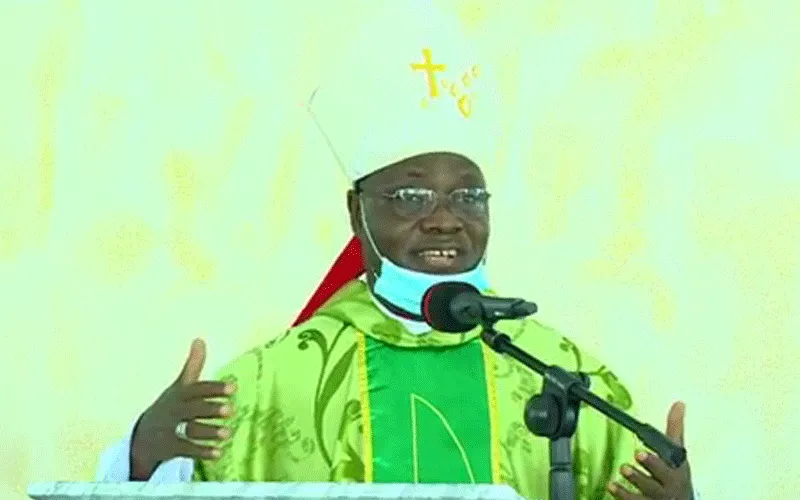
{"x":351,"y":395}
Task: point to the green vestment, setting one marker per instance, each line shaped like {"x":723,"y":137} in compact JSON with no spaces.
{"x":350,"y":395}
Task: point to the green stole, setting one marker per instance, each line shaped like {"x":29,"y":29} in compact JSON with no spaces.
{"x":429,"y":413}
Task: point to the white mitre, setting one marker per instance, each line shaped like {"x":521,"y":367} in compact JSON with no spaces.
{"x":410,"y":83}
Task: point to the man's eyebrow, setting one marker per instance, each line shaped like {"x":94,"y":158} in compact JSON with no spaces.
{"x":415,"y":173}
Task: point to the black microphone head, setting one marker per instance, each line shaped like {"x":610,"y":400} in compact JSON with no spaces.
{"x":436,"y":306}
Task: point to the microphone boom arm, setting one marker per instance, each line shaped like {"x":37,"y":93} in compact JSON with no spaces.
{"x":554,"y":414}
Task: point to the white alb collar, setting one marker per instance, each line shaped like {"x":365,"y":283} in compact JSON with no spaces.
{"x":414,"y":327}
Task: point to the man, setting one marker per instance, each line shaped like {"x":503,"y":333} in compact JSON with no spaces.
{"x":360,"y":388}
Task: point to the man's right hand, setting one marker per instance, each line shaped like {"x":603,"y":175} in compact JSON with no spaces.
{"x":186,"y":400}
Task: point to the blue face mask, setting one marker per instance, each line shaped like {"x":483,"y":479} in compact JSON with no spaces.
{"x":404,"y":288}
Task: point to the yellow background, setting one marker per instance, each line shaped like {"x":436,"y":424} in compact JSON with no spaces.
{"x":159,"y":180}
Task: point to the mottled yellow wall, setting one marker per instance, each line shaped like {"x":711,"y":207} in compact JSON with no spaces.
{"x":159,"y":180}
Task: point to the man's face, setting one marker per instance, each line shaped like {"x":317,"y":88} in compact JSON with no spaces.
{"x":447,"y":236}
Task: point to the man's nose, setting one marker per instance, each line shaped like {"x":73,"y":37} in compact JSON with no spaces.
{"x":442,"y":220}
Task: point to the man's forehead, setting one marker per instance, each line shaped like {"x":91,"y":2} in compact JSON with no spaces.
{"x":427,"y":165}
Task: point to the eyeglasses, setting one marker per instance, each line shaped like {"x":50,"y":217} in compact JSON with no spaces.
{"x":417,"y":203}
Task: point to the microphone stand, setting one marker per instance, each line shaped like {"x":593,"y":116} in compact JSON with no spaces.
{"x":554,"y":414}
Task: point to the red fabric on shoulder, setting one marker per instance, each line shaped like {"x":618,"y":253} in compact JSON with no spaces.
{"x":348,"y":266}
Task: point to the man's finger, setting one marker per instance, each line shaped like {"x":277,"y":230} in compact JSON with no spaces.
{"x":675,"y":420}
{"x":620,"y":493}
{"x":201,"y":390}
{"x":660,"y":470}
{"x":206,"y":432}
{"x":646,"y":484}
{"x":191,"y":450}
{"x":204,"y":409}
{"x":194,"y":363}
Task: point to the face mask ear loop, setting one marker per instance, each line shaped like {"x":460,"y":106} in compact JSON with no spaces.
{"x":369,"y":234}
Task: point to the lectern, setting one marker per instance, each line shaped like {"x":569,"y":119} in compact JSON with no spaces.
{"x":268,"y":491}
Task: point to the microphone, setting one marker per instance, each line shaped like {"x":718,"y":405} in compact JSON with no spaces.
{"x":457,"y":307}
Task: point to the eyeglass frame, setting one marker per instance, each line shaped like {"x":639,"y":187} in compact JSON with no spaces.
{"x":393,"y":197}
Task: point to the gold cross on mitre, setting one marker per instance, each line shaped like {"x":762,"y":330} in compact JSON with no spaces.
{"x":430,"y":70}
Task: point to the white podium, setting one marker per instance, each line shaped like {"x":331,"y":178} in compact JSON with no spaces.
{"x":267,"y":491}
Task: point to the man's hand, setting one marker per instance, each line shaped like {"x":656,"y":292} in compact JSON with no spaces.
{"x":154,"y":439}
{"x":663,"y":482}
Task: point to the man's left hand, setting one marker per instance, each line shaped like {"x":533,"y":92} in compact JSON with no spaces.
{"x":663,"y":482}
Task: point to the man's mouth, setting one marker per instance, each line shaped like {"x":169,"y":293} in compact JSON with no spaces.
{"x":439,"y":257}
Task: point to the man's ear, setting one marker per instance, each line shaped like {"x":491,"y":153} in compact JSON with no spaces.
{"x":371,"y":260}
{"x":354,"y":209}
